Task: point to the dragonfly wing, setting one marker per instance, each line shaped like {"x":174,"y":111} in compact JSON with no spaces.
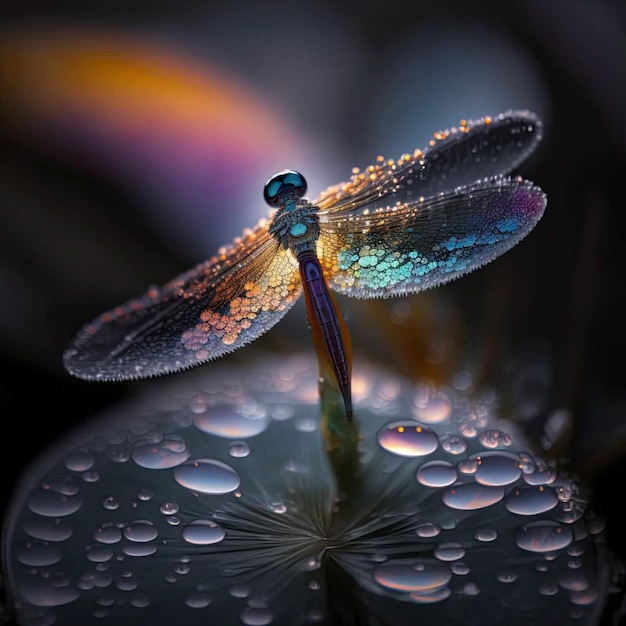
{"x":214,"y":308}
{"x":455,"y":157}
{"x":410,"y":247}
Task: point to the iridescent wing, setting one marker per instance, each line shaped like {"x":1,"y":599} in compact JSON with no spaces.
{"x":404,"y":226}
{"x":214,"y":308}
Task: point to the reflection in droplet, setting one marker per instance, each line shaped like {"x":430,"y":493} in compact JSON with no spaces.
{"x":48,"y":529}
{"x":531,"y":500}
{"x":432,"y":407}
{"x":53,"y":504}
{"x":203,"y":532}
{"x":169,"y":508}
{"x":141,"y":531}
{"x":412,"y":577}
{"x":469,"y":497}
{"x":408,"y":439}
{"x":449,"y":551}
{"x":207,"y":476}
{"x":497,"y":469}
{"x":170,"y":451}
{"x":256,"y":616}
{"x":436,"y":474}
{"x":544,"y":537}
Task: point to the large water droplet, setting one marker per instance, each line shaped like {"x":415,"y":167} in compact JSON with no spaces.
{"x":203,"y":532}
{"x":469,"y":497}
{"x":48,"y":529}
{"x":228,"y":421}
{"x":531,"y":500}
{"x":198,"y":600}
{"x":251,"y":616}
{"x":432,"y":407}
{"x":412,"y":577}
{"x":99,"y":554}
{"x":436,"y":474}
{"x":544,"y":537}
{"x":108,"y":534}
{"x":39,"y":555}
{"x":408,"y":439}
{"x":79,"y":461}
{"x":53,"y":504}
{"x":449,"y":551}
{"x":170,"y":451}
{"x":573,"y":580}
{"x":43,"y":593}
{"x":207,"y":476}
{"x":141,"y":531}
{"x":139,"y":549}
{"x":427,"y":530}
{"x":430,"y":598}
{"x":496,"y":469}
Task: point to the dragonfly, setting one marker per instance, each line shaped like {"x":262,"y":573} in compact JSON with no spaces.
{"x":394,"y":228}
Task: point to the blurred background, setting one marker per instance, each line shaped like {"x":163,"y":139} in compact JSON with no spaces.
{"x":135,"y":139}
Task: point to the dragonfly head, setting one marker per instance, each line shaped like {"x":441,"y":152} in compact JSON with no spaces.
{"x":284,"y":188}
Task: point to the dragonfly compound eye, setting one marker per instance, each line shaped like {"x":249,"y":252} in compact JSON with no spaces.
{"x":282,"y":185}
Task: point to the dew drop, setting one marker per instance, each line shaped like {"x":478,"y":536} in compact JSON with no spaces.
{"x":99,"y":554}
{"x":170,"y":451}
{"x":453,"y":444}
{"x":449,"y":551}
{"x":48,"y":529}
{"x":144,"y":495}
{"x":459,"y":568}
{"x":141,"y":531}
{"x":433,"y":407}
{"x":238,"y":449}
{"x":39,"y":555}
{"x":430,"y":598}
{"x":110,"y":503}
{"x":79,"y":462}
{"x":228,"y":421}
{"x":108,"y":534}
{"x":407,"y":439}
{"x":485,"y":534}
{"x":544,"y":537}
{"x":52,"y":503}
{"x":573,"y":580}
{"x":169,"y":508}
{"x":531,"y":500}
{"x":207,"y":476}
{"x":198,"y":600}
{"x":256,"y":616}
{"x":139,"y":549}
{"x":203,"y":532}
{"x":42,"y":593}
{"x":494,"y":438}
{"x":506,"y":576}
{"x":469,"y":497}
{"x":415,"y":577}
{"x":239,"y":591}
{"x":436,"y":474}
{"x":496,"y":469}
{"x":140,"y":601}
{"x":427,"y":530}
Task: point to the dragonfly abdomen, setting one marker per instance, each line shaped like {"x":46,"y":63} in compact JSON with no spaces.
{"x":330,"y":334}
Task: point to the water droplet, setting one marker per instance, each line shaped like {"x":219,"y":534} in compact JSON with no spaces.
{"x":469,"y":497}
{"x":306,"y":424}
{"x":573,"y":580}
{"x":496,"y":469}
{"x":110,"y":503}
{"x":169,"y":508}
{"x":108,"y":534}
{"x":459,"y":568}
{"x":433,"y":407}
{"x":207,"y":476}
{"x":139,"y":549}
{"x":449,"y":551}
{"x":467,"y":466}
{"x":494,"y":438}
{"x":278,"y":507}
{"x":198,"y":600}
{"x":91,"y":476}
{"x":48,"y":529}
{"x":544,"y":537}
{"x":170,"y":451}
{"x":427,"y":530}
{"x":99,"y":554}
{"x":412,"y":577}
{"x":408,"y":439}
{"x":173,"y":520}
{"x":436,"y":474}
{"x":228,"y":421}
{"x":470,"y":589}
{"x":203,"y":532}
{"x":506,"y":576}
{"x":462,"y":380}
{"x":485,"y":534}
{"x":453,"y":444}
{"x":141,"y":531}
{"x":531,"y":500}
{"x":239,"y":591}
{"x":584,"y":598}
{"x":39,"y":555}
{"x":238,"y":449}
{"x":431,"y":597}
{"x":53,"y":504}
{"x":140,"y":601}
{"x":79,"y":461}
{"x":256,"y":616}
{"x":40,"y":592}
{"x":144,"y":495}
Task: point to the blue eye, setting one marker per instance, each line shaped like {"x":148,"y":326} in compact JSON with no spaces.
{"x":283,"y":184}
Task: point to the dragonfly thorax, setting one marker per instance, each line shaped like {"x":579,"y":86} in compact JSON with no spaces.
{"x":296,"y":226}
